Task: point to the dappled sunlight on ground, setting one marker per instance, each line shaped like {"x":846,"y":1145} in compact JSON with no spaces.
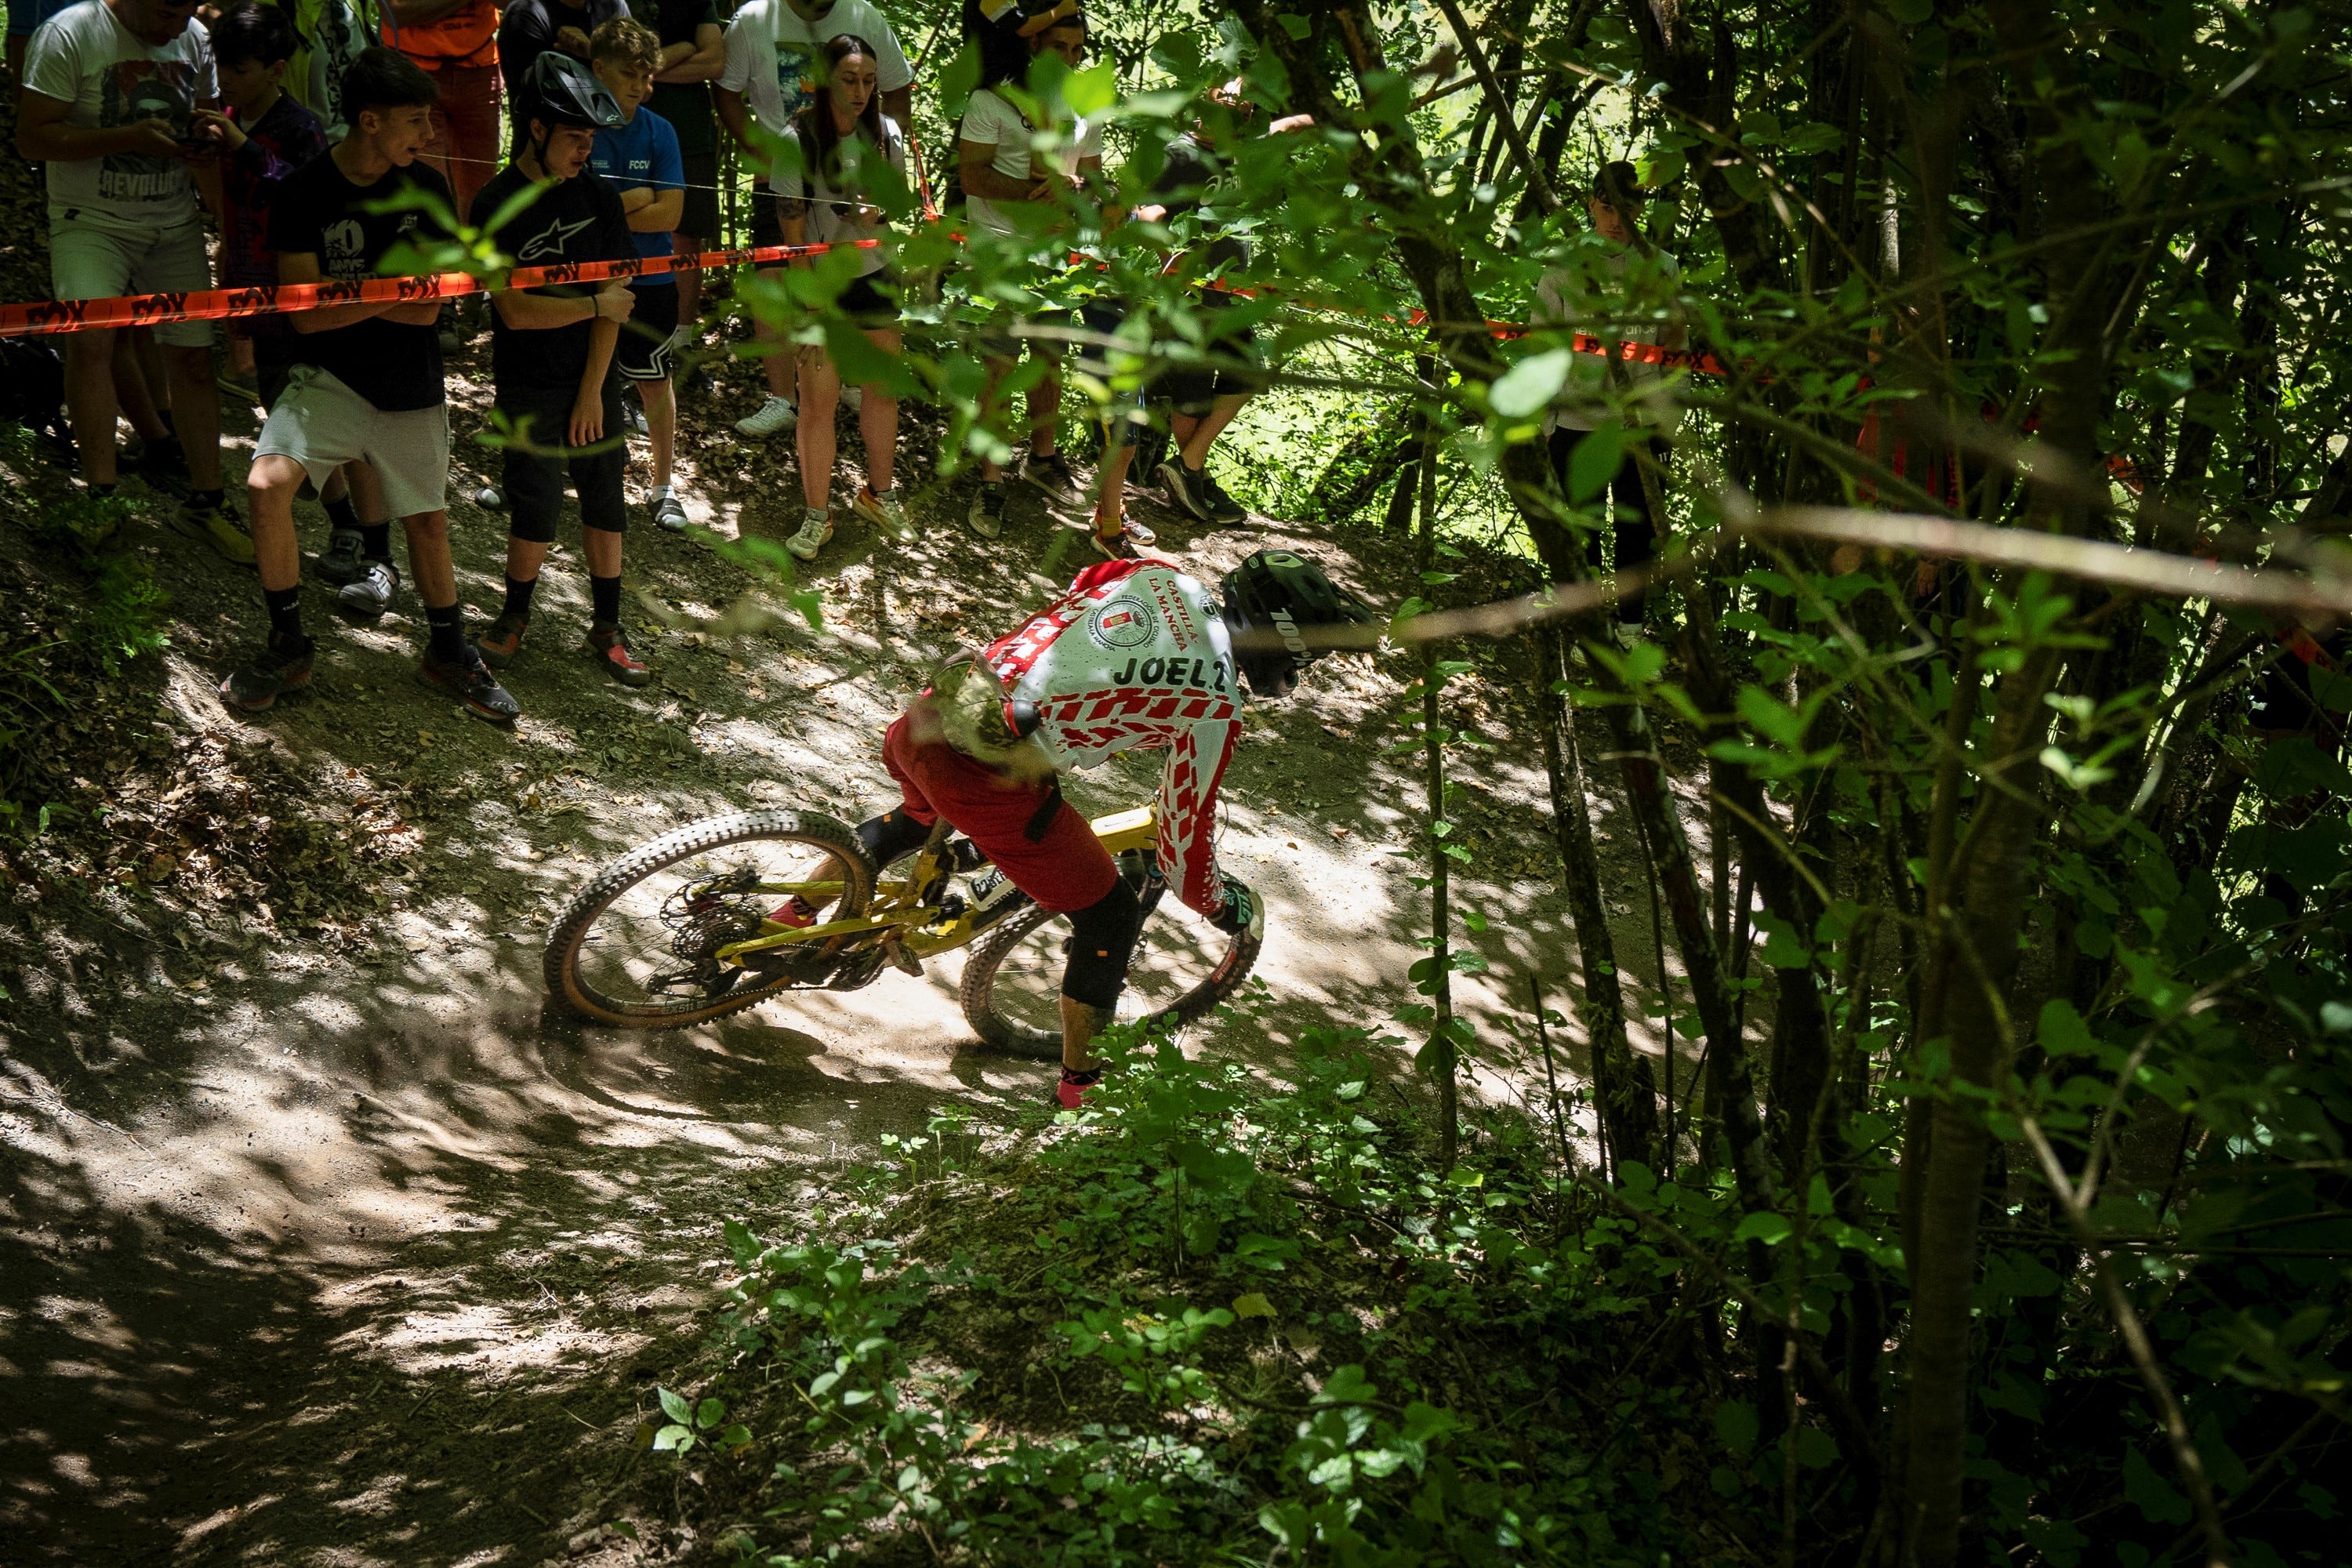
{"x":363,"y":1255}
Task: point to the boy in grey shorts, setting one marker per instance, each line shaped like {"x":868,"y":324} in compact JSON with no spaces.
{"x":365,"y":383}
{"x":111,"y":91}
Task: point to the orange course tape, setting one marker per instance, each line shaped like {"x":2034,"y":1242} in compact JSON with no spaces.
{"x":213,"y":304}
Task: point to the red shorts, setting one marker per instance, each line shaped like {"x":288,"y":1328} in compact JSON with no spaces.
{"x":1065,"y":867}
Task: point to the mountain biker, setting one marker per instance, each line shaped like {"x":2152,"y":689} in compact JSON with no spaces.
{"x":1136,"y":655}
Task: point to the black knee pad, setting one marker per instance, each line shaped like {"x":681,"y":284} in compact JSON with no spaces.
{"x":891,"y":835}
{"x":1102,"y":939}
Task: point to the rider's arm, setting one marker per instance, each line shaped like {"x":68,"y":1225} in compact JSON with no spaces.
{"x":1188,"y":811}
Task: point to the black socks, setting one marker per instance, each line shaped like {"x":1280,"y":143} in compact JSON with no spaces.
{"x":205,"y":501}
{"x":518,"y":596}
{"x":342,"y":515}
{"x":604,"y":597}
{"x":284,"y":614}
{"x":447,"y":642}
{"x":375,"y":540}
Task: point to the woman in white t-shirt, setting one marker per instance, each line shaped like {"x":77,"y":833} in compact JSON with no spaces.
{"x":1010,"y":198}
{"x":823,"y":197}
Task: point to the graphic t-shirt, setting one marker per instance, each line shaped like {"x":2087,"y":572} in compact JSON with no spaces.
{"x":1135,"y":655}
{"x":318,"y":211}
{"x":685,"y":104}
{"x":992,"y":121}
{"x":578,"y":219}
{"x":85,"y":58}
{"x":829,"y":211}
{"x":774,"y":54}
{"x":642,"y":152}
{"x":282,"y":140}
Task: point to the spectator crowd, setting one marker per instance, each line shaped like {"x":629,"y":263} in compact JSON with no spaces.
{"x":317,"y":139}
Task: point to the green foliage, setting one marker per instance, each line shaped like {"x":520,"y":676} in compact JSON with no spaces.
{"x":1150,"y":1260}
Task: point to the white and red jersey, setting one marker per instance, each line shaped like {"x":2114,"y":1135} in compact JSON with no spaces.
{"x":1135,"y":655}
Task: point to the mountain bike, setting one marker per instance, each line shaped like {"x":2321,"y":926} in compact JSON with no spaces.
{"x":681,"y":930}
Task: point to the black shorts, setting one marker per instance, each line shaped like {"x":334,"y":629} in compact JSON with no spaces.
{"x":534,"y":477}
{"x":644,"y":354}
{"x":1195,"y":388}
{"x":701,"y":216}
{"x":871,"y":301}
{"x":767,"y":223}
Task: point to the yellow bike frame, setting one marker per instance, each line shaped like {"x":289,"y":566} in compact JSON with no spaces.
{"x":919,"y":930}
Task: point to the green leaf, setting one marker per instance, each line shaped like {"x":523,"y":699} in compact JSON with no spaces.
{"x":1531,"y":385}
{"x":2156,"y":1497}
{"x":1735,"y":1423}
{"x":2061,"y":1031}
{"x":1297,"y":27}
{"x":1769,"y":717}
{"x":1764,"y":1226}
{"x":1347,"y":1385}
{"x":1596,"y":462}
{"x":674,"y":1406}
{"x":1092,"y":90}
{"x":710,"y":1414}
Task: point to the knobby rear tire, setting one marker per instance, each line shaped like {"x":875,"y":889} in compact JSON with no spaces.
{"x":564,"y":940}
{"x":1014,"y":1037}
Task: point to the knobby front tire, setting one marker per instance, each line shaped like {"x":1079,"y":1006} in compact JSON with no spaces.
{"x":633,"y":947}
{"x":1183,"y":968}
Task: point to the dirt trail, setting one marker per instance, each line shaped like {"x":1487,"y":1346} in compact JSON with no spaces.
{"x":355,"y":1258}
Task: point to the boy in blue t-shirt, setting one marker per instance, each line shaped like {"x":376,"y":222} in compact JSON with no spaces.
{"x":641,"y":162}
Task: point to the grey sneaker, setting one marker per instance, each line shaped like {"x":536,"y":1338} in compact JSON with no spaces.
{"x":986,"y":515}
{"x":1051,"y":472}
{"x":771,"y":417}
{"x":367,"y":596}
{"x":816,"y":533}
{"x":669,"y":514}
{"x":339,"y":562}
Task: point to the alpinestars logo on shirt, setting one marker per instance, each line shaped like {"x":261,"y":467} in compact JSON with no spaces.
{"x":549,"y":243}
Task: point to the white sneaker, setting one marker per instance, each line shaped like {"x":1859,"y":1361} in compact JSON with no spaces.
{"x":775,"y":415}
{"x":884,"y":511}
{"x":816,"y":533}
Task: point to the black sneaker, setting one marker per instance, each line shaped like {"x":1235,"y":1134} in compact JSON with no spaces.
{"x":340,"y":563}
{"x":366,"y":596}
{"x":1223,"y":509}
{"x":471,"y":682}
{"x":1183,"y":488}
{"x":1051,"y":472}
{"x":281,"y":667}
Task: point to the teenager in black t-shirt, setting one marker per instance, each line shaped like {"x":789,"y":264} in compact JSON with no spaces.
{"x":364,"y":389}
{"x":551,"y":357}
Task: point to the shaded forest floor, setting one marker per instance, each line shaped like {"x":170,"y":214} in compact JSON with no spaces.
{"x":322,"y":1240}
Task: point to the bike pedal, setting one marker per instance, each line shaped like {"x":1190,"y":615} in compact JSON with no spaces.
{"x":904,"y":961}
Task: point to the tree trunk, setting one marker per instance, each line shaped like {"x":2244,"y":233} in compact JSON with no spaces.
{"x":1627,"y":1088}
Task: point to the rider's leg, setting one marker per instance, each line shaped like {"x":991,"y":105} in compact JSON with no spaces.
{"x":1102,"y":940}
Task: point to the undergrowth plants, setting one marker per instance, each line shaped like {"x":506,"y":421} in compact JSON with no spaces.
{"x":1212,"y":1317}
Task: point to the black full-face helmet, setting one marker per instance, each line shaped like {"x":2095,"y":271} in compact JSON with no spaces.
{"x":1276,"y":603}
{"x":560,"y":90}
